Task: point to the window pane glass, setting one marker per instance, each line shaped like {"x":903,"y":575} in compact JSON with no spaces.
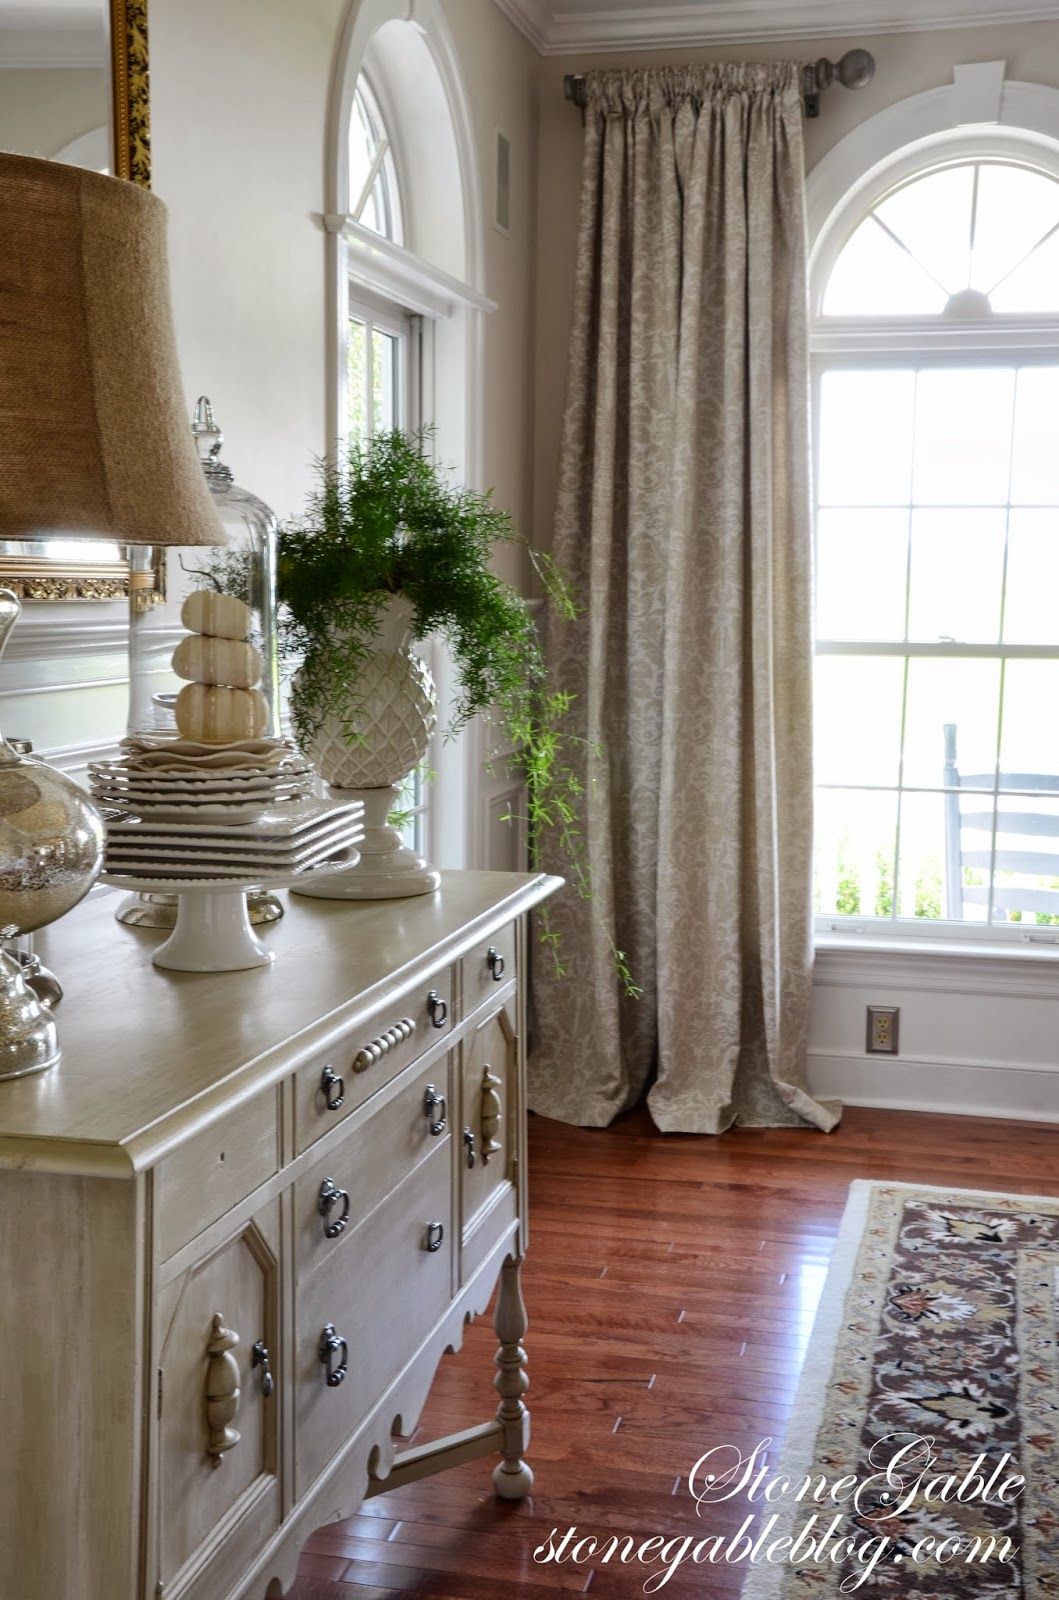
{"x":1016,"y":207}
{"x":1030,"y":738}
{"x":369,"y":144}
{"x":857,"y":716}
{"x":385,"y":392}
{"x":957,"y":571}
{"x":932,"y":219}
{"x":1035,"y":459}
{"x":1035,"y":285}
{"x":866,"y":438}
{"x":854,"y":839}
{"x":1031,"y":606}
{"x":357,"y":382}
{"x":873,"y":276}
{"x":920,"y":870}
{"x":1026,"y":882}
{"x":862,"y":567}
{"x":962,"y":692}
{"x":963,"y":436}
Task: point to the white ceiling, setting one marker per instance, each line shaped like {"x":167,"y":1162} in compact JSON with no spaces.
{"x":558,"y":27}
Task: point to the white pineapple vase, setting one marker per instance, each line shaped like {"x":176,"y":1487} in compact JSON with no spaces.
{"x":395,"y":717}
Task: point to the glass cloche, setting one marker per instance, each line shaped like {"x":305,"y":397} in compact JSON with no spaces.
{"x":163,"y":577}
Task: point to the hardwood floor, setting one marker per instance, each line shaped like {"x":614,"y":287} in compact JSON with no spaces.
{"x":671,"y":1285}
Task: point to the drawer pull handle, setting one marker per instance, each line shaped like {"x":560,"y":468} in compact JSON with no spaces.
{"x":222,"y":1390}
{"x":496,"y":963}
{"x":492,"y":1114}
{"x":438,"y":1009}
{"x":381,"y":1046}
{"x":330,"y":1194}
{"x":332,"y":1088}
{"x":435,"y":1110}
{"x":330,"y":1344}
{"x":435,"y":1235}
{"x":259,"y":1358}
{"x":468,"y":1139}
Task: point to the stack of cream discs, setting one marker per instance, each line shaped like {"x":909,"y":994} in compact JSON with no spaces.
{"x":219,"y":704}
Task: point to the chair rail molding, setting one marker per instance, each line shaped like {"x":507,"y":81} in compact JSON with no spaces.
{"x":555,"y":27}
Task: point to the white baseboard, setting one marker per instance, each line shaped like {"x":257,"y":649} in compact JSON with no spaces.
{"x":1023,"y":1091}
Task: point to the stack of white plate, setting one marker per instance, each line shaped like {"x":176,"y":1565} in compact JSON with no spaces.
{"x":279,"y":844}
{"x":178,"y":781}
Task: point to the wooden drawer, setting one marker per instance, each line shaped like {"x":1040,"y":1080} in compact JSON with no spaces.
{"x":381,"y":1292}
{"x":487,"y":968}
{"x":329,"y":1088}
{"x":489,"y":1123}
{"x":351,"y":1181}
{"x":206,"y":1177}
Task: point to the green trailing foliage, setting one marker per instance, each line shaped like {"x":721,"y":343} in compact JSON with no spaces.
{"x":387,"y":521}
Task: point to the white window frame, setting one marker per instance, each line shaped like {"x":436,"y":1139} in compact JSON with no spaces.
{"x":924,"y":341}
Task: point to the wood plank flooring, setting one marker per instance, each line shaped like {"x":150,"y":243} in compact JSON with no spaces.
{"x":671,"y":1285}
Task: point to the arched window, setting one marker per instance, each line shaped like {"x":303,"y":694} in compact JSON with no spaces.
{"x":374,"y":194}
{"x":406,"y":266}
{"x":936,"y":389}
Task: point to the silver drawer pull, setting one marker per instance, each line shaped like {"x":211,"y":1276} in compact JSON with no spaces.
{"x":439,"y":1011}
{"x":468,"y":1141}
{"x":330,"y":1195}
{"x":381,"y":1046}
{"x":329,"y":1346}
{"x":332,"y":1088}
{"x":495,"y":962}
{"x":435,"y":1235}
{"x":435,"y":1110}
{"x":259,"y":1358}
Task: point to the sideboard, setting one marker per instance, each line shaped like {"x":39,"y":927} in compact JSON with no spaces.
{"x":241,"y":1222}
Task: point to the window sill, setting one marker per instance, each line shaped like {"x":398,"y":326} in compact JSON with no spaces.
{"x":1002,"y":969}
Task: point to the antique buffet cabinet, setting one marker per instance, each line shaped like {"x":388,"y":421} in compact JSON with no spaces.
{"x":240,"y":1224}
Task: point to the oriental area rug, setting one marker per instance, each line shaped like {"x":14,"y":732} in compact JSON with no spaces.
{"x":922,"y":1456}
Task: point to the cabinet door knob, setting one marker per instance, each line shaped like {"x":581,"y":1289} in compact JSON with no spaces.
{"x":435,"y":1110}
{"x":468,"y":1139}
{"x":332,"y":1088}
{"x":222,"y":1390}
{"x":259,"y":1358}
{"x":330,"y":1344}
{"x":496,"y":963}
{"x":438,"y":1009}
{"x":435,"y":1235}
{"x":330,"y":1196}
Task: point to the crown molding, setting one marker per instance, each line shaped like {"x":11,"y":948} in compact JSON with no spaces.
{"x":562,"y":31}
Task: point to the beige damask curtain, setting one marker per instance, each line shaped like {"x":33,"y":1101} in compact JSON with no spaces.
{"x":683,"y":518}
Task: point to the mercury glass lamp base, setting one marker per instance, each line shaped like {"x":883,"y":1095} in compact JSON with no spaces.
{"x":160,"y":910}
{"x":29,"y":1041}
{"x":387,"y":869}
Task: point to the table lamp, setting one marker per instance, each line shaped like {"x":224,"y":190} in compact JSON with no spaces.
{"x":94,"y":443}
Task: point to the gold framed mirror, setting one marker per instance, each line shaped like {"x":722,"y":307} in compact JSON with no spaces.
{"x":74,"y":87}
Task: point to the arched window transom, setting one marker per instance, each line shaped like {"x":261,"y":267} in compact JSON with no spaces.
{"x":968,"y":240}
{"x":374,"y":196}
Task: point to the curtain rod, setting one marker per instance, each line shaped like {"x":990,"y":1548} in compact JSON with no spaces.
{"x":853,"y":71}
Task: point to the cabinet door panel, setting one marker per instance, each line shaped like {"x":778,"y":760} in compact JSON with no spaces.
{"x":489,"y":1120}
{"x":217,"y":1436}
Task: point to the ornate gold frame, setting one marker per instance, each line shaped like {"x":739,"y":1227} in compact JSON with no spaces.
{"x":35,"y":576}
{"x":131,"y":99}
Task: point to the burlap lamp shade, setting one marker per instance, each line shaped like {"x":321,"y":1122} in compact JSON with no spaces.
{"x":94,"y":437}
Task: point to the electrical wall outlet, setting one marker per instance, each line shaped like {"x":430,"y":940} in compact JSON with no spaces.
{"x":882,"y":1030}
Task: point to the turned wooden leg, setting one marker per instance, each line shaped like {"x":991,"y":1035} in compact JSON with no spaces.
{"x":512,"y":1478}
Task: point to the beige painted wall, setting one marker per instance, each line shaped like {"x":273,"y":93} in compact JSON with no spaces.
{"x":44,"y":109}
{"x":906,"y":65}
{"x":239,"y":106}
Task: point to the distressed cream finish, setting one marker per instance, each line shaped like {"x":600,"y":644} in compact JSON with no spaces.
{"x":166,"y":1176}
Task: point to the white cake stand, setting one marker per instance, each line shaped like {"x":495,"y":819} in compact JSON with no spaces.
{"x":213,"y":932}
